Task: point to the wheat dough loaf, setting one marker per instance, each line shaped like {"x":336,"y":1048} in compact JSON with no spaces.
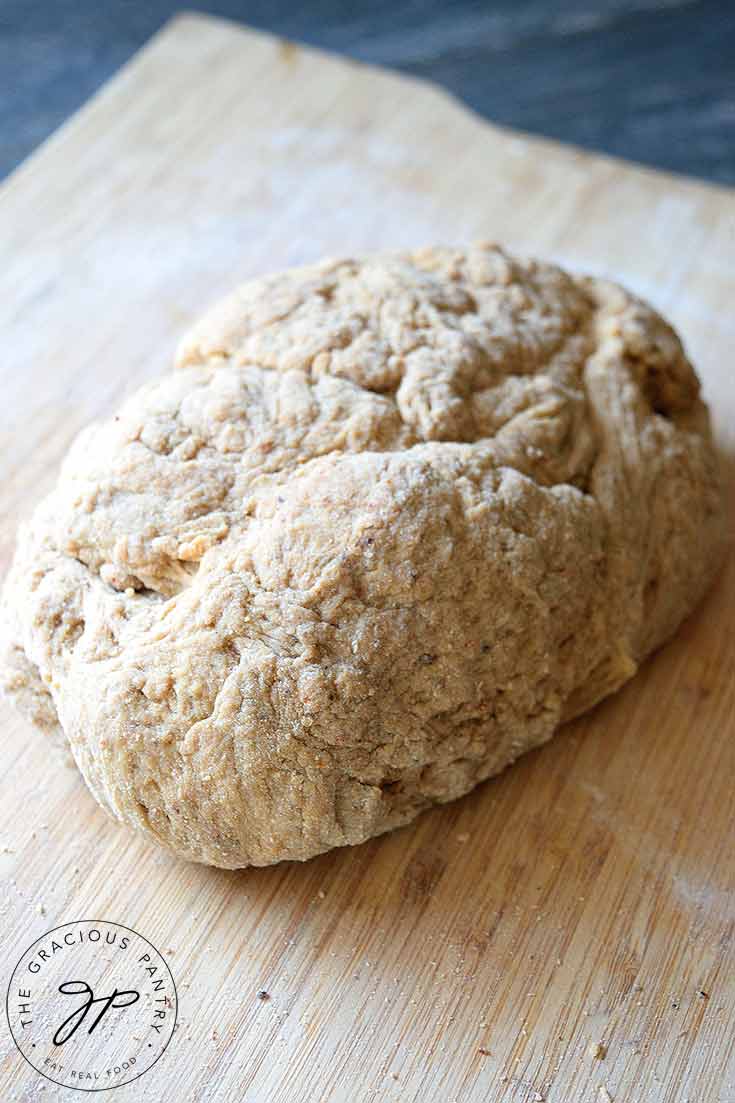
{"x":386,"y":526}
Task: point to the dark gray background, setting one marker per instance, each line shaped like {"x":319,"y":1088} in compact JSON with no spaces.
{"x":651,"y":80}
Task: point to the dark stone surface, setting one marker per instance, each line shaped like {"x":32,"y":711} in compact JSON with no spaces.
{"x":651,"y":80}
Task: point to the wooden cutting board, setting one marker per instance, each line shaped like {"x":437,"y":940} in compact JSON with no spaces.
{"x":586,"y":896}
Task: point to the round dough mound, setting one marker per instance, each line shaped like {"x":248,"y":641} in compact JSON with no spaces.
{"x":387,"y":526}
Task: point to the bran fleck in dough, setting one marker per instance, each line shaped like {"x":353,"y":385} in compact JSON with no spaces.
{"x":385,"y":527}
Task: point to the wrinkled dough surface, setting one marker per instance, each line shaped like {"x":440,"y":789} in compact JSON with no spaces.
{"x":385,"y":527}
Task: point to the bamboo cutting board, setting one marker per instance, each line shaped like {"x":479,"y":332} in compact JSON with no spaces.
{"x":564,"y":933}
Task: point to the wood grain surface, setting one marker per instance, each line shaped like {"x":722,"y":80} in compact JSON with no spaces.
{"x":651,"y":80}
{"x":565,"y":933}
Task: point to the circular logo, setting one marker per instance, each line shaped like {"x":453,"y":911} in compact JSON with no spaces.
{"x":91,"y":1005}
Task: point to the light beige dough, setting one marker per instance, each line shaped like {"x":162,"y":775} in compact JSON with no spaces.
{"x":388,"y":524}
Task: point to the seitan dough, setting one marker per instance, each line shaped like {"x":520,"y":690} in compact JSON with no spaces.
{"x":389,"y":523}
